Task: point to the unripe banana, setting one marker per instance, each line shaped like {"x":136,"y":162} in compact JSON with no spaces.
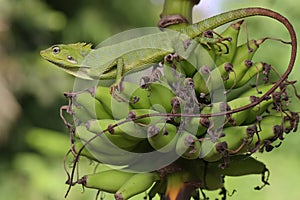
{"x":240,"y":63}
{"x":257,"y":110}
{"x":173,"y":71}
{"x":197,"y":125}
{"x":163,"y":137}
{"x":200,"y":80}
{"x":213,"y":180}
{"x":128,"y":130}
{"x":253,"y":91}
{"x":247,"y":116}
{"x":136,"y":184}
{"x":97,"y":126}
{"x":188,"y":146}
{"x":207,"y":174}
{"x":137,"y":96}
{"x":115,"y":135}
{"x":238,"y":118}
{"x":102,"y":149}
{"x":245,"y":52}
{"x":250,"y":73}
{"x":232,"y":32}
{"x":200,"y":57}
{"x":256,"y":91}
{"x":241,"y":138}
{"x":178,"y":106}
{"x":80,"y":114}
{"x":188,"y":67}
{"x":85,"y":152}
{"x":240,"y":165}
{"x":122,"y":142}
{"x":107,"y":181}
{"x":160,"y":96}
{"x":214,"y":122}
{"x":117,"y":109}
{"x":136,"y":113}
{"x":92,"y":105}
{"x":231,"y":74}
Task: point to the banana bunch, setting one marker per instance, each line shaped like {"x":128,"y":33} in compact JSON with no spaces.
{"x":170,"y":115}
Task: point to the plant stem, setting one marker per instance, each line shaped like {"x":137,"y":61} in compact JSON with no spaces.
{"x":184,"y":8}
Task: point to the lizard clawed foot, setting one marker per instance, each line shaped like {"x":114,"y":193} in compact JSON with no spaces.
{"x":116,"y":90}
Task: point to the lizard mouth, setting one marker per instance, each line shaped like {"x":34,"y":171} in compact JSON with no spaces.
{"x":77,"y":71}
{"x":72,"y":68}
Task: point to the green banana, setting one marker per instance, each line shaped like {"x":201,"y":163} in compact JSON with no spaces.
{"x":240,"y":63}
{"x":118,"y":138}
{"x":136,"y":184}
{"x":188,"y":146}
{"x":173,"y":71}
{"x":239,"y":118}
{"x":247,"y":116}
{"x":160,"y":96}
{"x":213,"y":180}
{"x":162,"y":137}
{"x":107,"y":181}
{"x":254,"y":91}
{"x":97,"y":126}
{"x":241,"y":165}
{"x":200,"y":57}
{"x":197,"y":125}
{"x":137,"y":96}
{"x":85,"y":152}
{"x":240,"y":139}
{"x":207,"y":175}
{"x":117,"y":109}
{"x":245,"y":52}
{"x":93,"y":152}
{"x":189,"y":66}
{"x":135,"y":113}
{"x":80,"y":114}
{"x":103,"y":148}
{"x":255,"y":69}
{"x":232,"y":31}
{"x":92,"y":105}
{"x":201,"y":86}
{"x":128,"y":130}
{"x":248,"y":91}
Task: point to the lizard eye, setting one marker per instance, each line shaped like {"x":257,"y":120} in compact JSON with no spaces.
{"x":55,"y":50}
{"x":71,"y":59}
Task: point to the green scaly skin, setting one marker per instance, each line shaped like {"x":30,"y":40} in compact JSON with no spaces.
{"x":114,"y":61}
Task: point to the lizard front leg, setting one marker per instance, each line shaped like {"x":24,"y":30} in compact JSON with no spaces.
{"x":116,"y":88}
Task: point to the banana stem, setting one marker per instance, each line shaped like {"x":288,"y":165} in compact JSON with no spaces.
{"x":177,"y":13}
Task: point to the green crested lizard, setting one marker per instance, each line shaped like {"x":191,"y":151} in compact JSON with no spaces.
{"x":113,"y":61}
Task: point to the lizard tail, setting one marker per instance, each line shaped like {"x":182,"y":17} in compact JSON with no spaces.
{"x":224,"y":18}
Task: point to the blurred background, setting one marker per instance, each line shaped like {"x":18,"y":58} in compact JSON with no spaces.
{"x":33,"y":139}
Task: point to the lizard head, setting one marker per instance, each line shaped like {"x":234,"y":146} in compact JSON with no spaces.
{"x":69,"y":57}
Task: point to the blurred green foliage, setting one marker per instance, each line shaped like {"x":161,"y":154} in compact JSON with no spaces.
{"x":33,"y":139}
